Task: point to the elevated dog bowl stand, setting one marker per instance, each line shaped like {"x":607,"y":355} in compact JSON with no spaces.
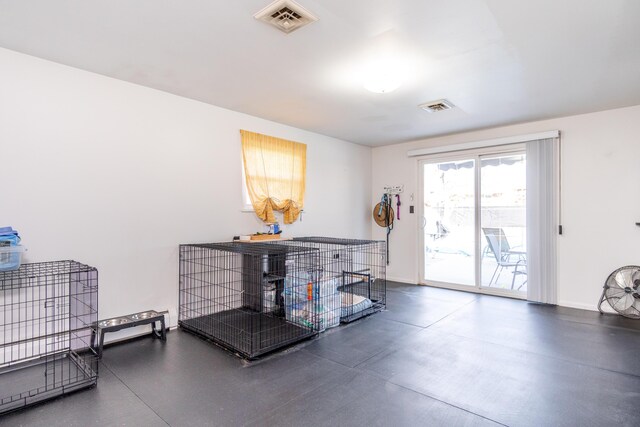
{"x":129,"y":321}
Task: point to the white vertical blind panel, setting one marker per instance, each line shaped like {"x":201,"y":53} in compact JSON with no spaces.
{"x":542,"y":219}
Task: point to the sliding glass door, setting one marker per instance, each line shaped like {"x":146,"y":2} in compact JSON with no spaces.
{"x":449,"y":222}
{"x":474,"y":222}
{"x":503,"y":196}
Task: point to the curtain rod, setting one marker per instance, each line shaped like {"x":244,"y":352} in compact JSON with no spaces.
{"x":484,"y":143}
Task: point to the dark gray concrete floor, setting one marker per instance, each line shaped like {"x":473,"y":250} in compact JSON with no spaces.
{"x":435,"y":357}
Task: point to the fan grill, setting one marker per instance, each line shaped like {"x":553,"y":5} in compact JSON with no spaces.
{"x":622,"y":292}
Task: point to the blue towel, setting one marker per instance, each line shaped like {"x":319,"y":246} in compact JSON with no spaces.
{"x":8,"y":231}
{"x":8,"y":234}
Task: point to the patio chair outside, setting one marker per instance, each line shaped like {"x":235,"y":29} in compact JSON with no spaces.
{"x":505,"y":256}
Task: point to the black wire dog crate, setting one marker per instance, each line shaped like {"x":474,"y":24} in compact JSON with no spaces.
{"x":251,"y":298}
{"x":48,"y":316}
{"x":355,"y":268}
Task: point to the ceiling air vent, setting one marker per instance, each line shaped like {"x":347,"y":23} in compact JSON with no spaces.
{"x":285,"y":15}
{"x":435,"y":106}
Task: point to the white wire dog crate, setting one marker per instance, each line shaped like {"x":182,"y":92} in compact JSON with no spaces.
{"x":357,"y":270}
{"x":48,"y":317}
{"x":250,"y":298}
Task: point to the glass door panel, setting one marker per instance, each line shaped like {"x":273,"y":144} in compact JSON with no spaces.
{"x":449,"y":222}
{"x":503,"y":193}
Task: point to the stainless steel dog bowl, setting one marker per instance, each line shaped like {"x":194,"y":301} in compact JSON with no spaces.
{"x":113,"y":322}
{"x":144,"y":315}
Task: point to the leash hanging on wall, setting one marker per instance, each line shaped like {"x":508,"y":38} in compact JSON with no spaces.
{"x":383,"y":215}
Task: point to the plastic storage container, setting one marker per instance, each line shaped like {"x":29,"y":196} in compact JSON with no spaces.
{"x":10,"y":251}
{"x":10,"y":257}
{"x":315,"y":305}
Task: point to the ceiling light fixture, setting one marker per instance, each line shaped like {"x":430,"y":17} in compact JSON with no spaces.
{"x":382,"y":77}
{"x":381,"y":83}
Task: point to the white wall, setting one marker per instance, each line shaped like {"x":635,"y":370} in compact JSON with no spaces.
{"x":117,"y":175}
{"x":600,"y":200}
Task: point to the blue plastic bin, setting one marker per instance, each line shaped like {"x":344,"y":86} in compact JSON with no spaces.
{"x":10,"y":250}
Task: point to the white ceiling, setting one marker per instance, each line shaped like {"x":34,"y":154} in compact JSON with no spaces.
{"x":498,"y":61}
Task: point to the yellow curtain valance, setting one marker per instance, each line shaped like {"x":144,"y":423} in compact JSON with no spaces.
{"x":275,"y":170}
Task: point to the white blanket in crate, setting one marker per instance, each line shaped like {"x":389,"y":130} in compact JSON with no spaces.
{"x":353,"y":304}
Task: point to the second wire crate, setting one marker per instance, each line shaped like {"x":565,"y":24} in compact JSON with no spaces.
{"x":356,"y":268}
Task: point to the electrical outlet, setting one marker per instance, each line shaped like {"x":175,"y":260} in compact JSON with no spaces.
{"x":410,"y":209}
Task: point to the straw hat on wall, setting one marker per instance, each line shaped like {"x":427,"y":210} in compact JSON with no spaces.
{"x":380,"y":215}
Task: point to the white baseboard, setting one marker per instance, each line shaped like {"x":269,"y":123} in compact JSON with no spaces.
{"x":570,"y":304}
{"x":402,"y":279}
